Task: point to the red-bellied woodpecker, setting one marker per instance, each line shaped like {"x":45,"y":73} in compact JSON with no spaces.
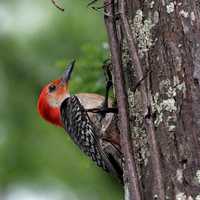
{"x":96,"y":135}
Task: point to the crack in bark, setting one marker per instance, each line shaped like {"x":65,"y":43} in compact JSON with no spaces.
{"x":146,"y":99}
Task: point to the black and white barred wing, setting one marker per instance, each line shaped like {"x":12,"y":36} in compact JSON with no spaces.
{"x":83,"y":132}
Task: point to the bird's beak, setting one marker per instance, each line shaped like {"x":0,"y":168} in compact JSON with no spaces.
{"x":67,"y":73}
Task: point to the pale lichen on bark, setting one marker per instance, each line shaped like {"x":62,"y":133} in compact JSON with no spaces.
{"x":197,"y":197}
{"x":181,"y":196}
{"x":179,"y":175}
{"x":198,"y":176}
{"x":164,"y":104}
{"x":137,"y":128}
{"x":170,"y":7}
{"x":141,"y":29}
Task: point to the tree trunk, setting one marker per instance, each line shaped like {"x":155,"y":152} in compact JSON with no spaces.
{"x":155,"y":50}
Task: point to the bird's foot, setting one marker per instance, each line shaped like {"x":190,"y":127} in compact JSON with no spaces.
{"x":102,"y":110}
{"x":108,"y":75}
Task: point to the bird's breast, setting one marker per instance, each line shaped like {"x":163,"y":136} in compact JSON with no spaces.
{"x":89,"y":101}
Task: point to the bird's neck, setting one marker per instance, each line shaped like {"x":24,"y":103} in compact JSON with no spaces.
{"x":54,"y":117}
{"x":49,"y":113}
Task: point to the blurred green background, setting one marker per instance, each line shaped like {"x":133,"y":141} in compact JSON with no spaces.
{"x":37,"y":160}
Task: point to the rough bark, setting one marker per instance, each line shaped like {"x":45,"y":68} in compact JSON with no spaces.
{"x":157,"y":44}
{"x":131,"y":182}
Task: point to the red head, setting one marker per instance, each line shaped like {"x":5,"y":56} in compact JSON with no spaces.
{"x":52,"y":96}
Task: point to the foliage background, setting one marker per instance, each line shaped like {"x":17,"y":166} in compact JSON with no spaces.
{"x":37,"y":160}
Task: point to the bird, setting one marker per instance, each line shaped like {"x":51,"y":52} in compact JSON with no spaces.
{"x":87,"y":118}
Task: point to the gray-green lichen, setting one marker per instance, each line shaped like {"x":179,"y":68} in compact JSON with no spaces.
{"x":125,"y":54}
{"x":184,"y":13}
{"x":198,"y":176}
{"x":192,"y":16}
{"x":197,"y":197}
{"x":164,"y":104}
{"x":170,"y":7}
{"x":131,"y":101}
{"x":137,"y":127}
{"x":141,"y":29}
{"x":181,"y":196}
{"x":179,"y":175}
{"x":152,"y":4}
{"x":156,"y":17}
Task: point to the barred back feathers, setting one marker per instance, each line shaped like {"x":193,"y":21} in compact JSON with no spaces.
{"x":85,"y":134}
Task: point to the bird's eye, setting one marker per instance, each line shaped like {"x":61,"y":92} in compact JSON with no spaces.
{"x":52,"y":88}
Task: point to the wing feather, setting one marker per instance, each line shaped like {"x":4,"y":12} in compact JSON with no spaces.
{"x":83,"y":132}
